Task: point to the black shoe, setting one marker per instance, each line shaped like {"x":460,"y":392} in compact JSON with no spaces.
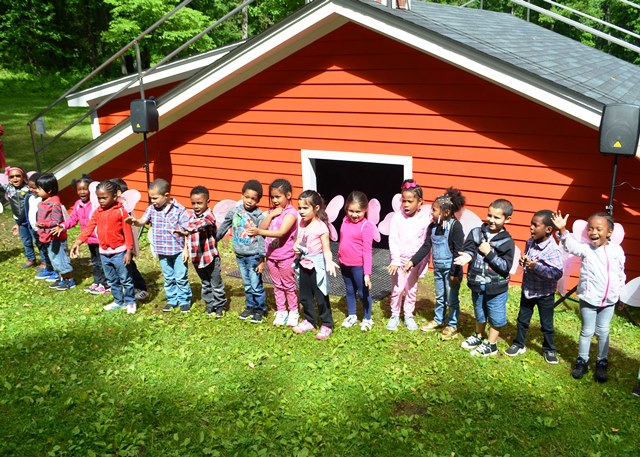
{"x":168,"y":307}
{"x":246,"y":314}
{"x":219,"y":312}
{"x":515,"y":350}
{"x":551,"y":357}
{"x":601,"y":370}
{"x":257,"y":318}
{"x":636,"y":391}
{"x":185,"y":309}
{"x":580,"y":368}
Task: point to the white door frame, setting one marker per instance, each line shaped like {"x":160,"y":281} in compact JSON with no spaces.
{"x":308,"y":158}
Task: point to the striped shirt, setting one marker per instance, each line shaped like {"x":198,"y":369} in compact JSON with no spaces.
{"x":202,"y":238}
{"x":50,"y":215}
{"x":163,"y":223}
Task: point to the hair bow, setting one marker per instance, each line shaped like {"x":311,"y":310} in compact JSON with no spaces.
{"x":410,"y":185}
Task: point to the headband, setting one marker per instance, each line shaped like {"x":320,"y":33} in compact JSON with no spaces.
{"x":7,"y":171}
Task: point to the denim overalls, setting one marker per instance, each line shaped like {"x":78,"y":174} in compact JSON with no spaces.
{"x":446,"y":292}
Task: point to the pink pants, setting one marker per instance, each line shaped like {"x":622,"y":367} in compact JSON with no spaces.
{"x":407,"y":283}
{"x":284,"y":283}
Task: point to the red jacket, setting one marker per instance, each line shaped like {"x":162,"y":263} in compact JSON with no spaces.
{"x":113,"y":231}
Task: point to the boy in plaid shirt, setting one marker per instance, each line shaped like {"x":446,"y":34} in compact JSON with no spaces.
{"x":167,"y":216}
{"x":542,"y":263}
{"x":201,"y":248}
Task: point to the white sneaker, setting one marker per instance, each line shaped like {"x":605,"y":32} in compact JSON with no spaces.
{"x":366,"y":325}
{"x":293,"y":318}
{"x":410,"y":322}
{"x":113,"y":306}
{"x":132,"y":308}
{"x":393,"y":323}
{"x":350,"y":321}
{"x":281,"y":318}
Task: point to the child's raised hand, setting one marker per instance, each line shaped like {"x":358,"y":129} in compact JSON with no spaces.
{"x":462,"y":259}
{"x":392,"y":269}
{"x":559,"y":221}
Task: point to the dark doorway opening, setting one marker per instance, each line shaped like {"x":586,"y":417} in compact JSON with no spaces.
{"x":376,"y":180}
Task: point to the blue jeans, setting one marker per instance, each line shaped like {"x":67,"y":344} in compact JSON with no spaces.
{"x":256,"y":297}
{"x":176,"y":282}
{"x":446,"y":296}
{"x":354,"y":283}
{"x":57,"y":250}
{"x":118,"y":278}
{"x":490,"y":307}
{"x":27,"y":242}
{"x":594,"y":320}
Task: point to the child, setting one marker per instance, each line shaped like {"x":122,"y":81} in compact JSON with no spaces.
{"x":407,"y":233}
{"x":81,"y":212}
{"x":201,"y":247}
{"x":444,"y":238}
{"x":490,"y":249}
{"x":279,"y":227}
{"x":115,"y":240}
{"x":28,"y":218}
{"x":166,"y":216}
{"x":16,"y":192}
{"x":542,"y":263}
{"x":249,"y":249}
{"x":313,"y":263}
{"x":355,"y":254}
{"x":139,"y":284}
{"x":50,"y":216}
{"x":601,"y":280}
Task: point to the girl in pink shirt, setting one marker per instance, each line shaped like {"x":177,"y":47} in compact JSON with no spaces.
{"x":279,"y":228}
{"x":81,"y":213}
{"x":407,"y":234}
{"x":315,"y":261}
{"x":355,"y":254}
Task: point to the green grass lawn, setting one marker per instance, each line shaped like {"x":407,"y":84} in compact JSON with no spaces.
{"x":78,"y":381}
{"x":23,"y":96}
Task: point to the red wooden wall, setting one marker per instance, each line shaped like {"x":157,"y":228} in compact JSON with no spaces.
{"x":356,"y":91}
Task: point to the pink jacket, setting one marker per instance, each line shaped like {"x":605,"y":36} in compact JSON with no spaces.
{"x":406,"y":236}
{"x":81,"y":212}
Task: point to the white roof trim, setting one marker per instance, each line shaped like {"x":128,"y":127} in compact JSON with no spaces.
{"x":168,"y":73}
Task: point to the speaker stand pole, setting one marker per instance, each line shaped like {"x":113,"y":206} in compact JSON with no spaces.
{"x":609,"y":207}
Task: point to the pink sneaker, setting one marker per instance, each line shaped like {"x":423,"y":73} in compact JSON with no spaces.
{"x":303,"y":327}
{"x":324,"y":333}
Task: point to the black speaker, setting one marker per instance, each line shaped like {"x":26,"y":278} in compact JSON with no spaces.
{"x":144,"y":116}
{"x":619,"y":129}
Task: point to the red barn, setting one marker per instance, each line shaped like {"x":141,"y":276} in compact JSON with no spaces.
{"x":349,"y":93}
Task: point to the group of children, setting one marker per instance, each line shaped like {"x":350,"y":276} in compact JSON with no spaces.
{"x":296,"y":244}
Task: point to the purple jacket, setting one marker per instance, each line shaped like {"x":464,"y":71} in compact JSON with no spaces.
{"x":81,"y":213}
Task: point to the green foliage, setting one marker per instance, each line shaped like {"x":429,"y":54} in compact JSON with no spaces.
{"x":131,"y":18}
